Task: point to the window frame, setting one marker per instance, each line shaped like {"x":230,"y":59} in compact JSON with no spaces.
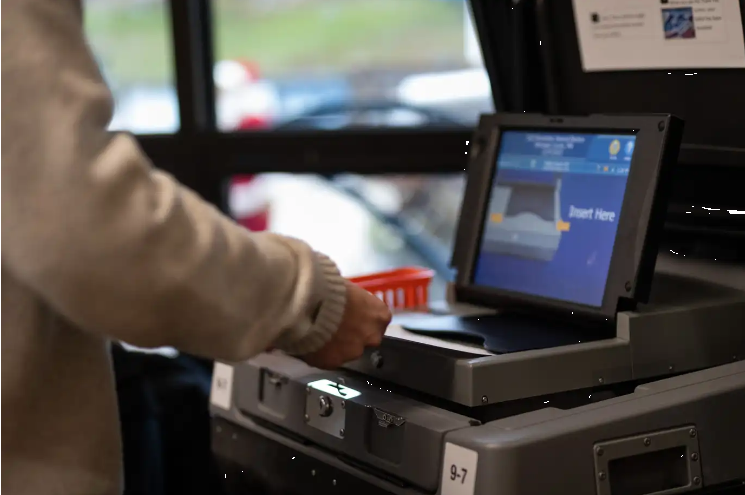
{"x":203,"y":157}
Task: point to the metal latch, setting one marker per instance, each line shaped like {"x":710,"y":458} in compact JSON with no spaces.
{"x":325,"y":406}
{"x":276,"y":379}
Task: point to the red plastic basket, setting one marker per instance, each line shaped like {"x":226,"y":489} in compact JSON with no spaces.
{"x":403,"y":288}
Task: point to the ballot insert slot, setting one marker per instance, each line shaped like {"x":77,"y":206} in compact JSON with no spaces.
{"x":660,"y":463}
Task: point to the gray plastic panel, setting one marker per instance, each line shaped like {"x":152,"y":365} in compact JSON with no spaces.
{"x":393,"y":434}
{"x":553,"y":452}
{"x":690,"y":324}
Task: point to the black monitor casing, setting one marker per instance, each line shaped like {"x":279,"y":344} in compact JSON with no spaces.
{"x":640,"y":222}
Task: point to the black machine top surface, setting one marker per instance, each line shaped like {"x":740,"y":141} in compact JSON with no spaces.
{"x":564,"y":213}
{"x":507,"y":333}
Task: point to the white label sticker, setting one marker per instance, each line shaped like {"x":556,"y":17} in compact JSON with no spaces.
{"x":659,"y":34}
{"x":329,"y":387}
{"x":458,"y":470}
{"x":222,"y":386}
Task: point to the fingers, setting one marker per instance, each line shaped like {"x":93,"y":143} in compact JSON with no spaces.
{"x":379,"y":310}
{"x":336,"y":355}
{"x":364,"y":324}
{"x":375,"y":329}
{"x":342,"y":351}
{"x":373,"y":338}
{"x":377,"y":323}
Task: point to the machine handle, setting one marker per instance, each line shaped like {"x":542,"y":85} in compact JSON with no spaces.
{"x":664,"y":462}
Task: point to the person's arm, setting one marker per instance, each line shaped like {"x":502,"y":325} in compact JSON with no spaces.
{"x":119,"y":248}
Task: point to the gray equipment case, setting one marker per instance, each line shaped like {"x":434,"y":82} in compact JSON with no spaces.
{"x":672,"y":436}
{"x":657,"y":409}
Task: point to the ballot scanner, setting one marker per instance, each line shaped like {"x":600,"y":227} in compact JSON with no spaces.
{"x":567,"y":358}
{"x":571,"y":356}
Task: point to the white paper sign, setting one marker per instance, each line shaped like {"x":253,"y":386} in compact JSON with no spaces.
{"x":659,"y":34}
{"x":458,"y":470}
{"x":222,"y":386}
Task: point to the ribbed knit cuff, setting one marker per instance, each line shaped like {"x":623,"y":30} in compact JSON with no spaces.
{"x":330,"y":311}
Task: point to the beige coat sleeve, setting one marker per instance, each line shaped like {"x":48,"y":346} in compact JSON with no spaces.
{"x":118,"y":247}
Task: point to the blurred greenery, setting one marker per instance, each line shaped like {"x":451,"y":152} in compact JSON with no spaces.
{"x":131,"y":38}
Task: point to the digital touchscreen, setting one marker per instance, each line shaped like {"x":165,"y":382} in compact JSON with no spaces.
{"x":553,"y":214}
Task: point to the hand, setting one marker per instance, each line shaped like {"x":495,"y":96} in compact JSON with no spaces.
{"x":365,"y":320}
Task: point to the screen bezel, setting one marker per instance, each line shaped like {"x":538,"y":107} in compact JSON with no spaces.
{"x":639,"y":224}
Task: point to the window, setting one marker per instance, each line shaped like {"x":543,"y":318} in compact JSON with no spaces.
{"x":333,"y":64}
{"x":337,"y":64}
{"x":313,"y":65}
{"x":131,"y":39}
{"x":365,"y":224}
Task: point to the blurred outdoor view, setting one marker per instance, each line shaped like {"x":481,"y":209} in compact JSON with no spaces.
{"x":293,"y":64}
{"x":314,"y":65}
{"x":366,"y":224}
{"x":337,"y":63}
{"x":131,"y":40}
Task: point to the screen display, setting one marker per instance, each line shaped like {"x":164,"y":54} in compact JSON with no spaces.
{"x":553,"y":214}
